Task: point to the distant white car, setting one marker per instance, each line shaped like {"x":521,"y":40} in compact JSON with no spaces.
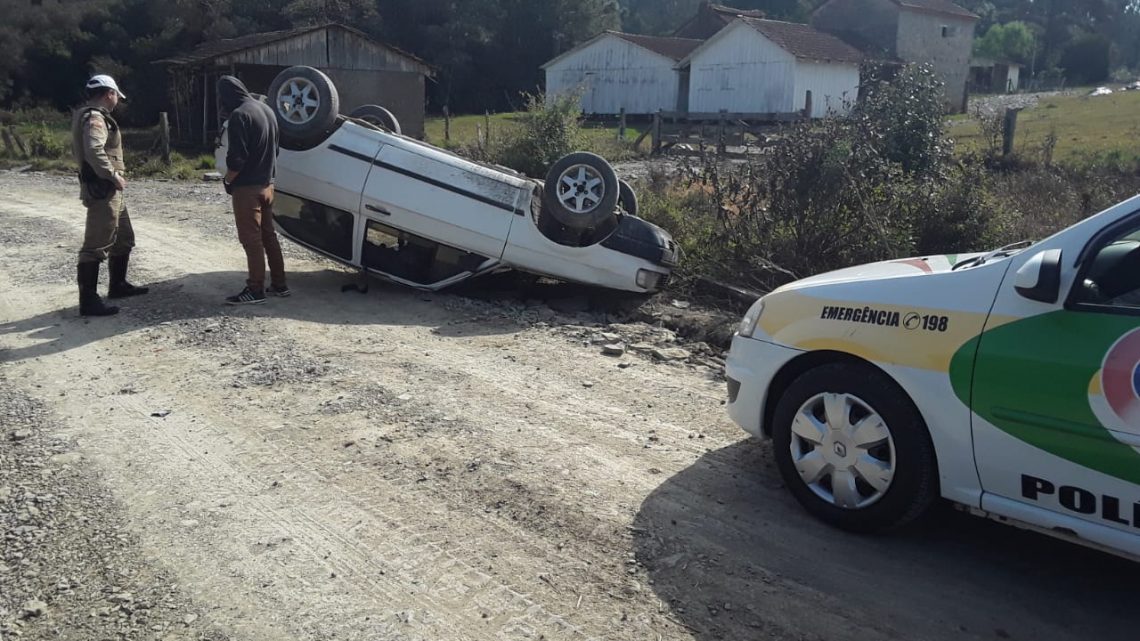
{"x":356,"y":190}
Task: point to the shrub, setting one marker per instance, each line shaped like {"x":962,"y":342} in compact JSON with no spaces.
{"x":824,"y":194}
{"x":547,"y":130}
{"x":43,"y":143}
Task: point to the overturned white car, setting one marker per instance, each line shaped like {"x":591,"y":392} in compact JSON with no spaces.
{"x":356,"y":190}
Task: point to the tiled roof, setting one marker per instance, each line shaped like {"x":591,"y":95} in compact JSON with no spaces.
{"x":805,"y":41}
{"x":673,"y":48}
{"x":937,"y":6}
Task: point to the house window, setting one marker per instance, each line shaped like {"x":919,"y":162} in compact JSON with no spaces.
{"x":948,"y":31}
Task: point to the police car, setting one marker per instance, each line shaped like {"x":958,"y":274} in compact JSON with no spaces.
{"x":353,"y":188}
{"x":1007,"y":382}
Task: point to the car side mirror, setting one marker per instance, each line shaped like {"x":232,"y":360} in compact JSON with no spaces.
{"x":1039,"y":278}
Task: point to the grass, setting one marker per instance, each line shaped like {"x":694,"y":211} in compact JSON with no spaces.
{"x":51,"y":152}
{"x":1084,"y":127}
{"x":1105,"y":127}
{"x":465,"y":129}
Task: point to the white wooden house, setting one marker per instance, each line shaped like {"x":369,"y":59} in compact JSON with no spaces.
{"x":768,"y":66}
{"x":617,"y":70}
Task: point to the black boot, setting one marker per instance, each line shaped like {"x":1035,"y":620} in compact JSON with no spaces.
{"x":120,"y":288}
{"x":89,"y":302}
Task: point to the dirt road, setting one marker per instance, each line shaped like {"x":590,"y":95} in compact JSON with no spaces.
{"x":398,"y":465}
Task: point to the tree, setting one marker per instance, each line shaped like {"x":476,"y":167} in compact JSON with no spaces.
{"x":1011,"y":41}
{"x":358,"y":13}
{"x":1086,"y":59}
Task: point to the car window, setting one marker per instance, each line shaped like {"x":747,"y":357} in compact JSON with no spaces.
{"x":1112,"y":280}
{"x":325,"y":228}
{"x":413,"y":258}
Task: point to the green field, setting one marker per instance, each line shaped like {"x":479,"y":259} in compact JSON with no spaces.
{"x":465,"y":129}
{"x":1104,"y":127}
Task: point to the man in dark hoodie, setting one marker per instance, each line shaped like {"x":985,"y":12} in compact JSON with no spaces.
{"x":251,"y":169}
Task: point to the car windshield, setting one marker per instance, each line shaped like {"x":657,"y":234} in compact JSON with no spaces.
{"x":1001,"y":252}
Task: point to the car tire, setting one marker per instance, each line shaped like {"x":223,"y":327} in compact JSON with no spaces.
{"x":844,"y":394}
{"x":306,"y":104}
{"x":581,"y":191}
{"x":377,"y":115}
{"x":627,"y":198}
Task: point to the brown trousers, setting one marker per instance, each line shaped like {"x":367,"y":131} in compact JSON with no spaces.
{"x":253,"y":214}
{"x":108,"y":231}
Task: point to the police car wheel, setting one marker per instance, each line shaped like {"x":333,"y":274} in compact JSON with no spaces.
{"x":853,"y":449}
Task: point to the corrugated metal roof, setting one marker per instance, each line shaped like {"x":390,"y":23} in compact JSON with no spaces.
{"x":673,"y":48}
{"x":805,"y":41}
{"x":937,"y":6}
{"x":217,"y":48}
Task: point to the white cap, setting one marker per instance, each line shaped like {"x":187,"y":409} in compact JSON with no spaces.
{"x":103,"y":80}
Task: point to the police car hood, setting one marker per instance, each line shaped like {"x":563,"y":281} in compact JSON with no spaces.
{"x":889,"y":269}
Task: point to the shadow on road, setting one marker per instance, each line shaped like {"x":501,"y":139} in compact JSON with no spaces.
{"x":736,"y":558}
{"x":317,"y":298}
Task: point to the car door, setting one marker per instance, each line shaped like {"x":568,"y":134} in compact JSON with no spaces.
{"x":443,"y":198}
{"x":1056,"y":387}
{"x":318,"y":192}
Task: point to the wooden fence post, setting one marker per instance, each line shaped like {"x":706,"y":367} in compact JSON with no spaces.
{"x":164,"y":136}
{"x":657,"y":133}
{"x":19,"y":141}
{"x":205,"y":109}
{"x":1008,"y":131}
{"x":8,"y":144}
{"x":446,"y":124}
{"x":621,"y":124}
{"x":721,"y":144}
{"x":487,"y":126}
{"x":807,"y":105}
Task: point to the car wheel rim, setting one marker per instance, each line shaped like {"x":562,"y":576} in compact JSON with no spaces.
{"x":843,"y":450}
{"x":298,"y":101}
{"x":581,"y":189}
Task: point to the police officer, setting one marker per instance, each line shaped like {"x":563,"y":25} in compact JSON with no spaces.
{"x":97,"y":145}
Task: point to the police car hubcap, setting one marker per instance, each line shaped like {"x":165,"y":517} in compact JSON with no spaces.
{"x":843,"y":450}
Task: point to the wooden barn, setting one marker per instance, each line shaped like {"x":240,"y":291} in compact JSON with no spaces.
{"x":365,"y":72}
{"x":616,"y":71}
{"x":768,"y":66}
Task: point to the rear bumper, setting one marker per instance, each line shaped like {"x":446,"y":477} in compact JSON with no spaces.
{"x":642,"y":239}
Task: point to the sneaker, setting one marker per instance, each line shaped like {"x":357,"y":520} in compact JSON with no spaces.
{"x":282,"y":292}
{"x":246,"y":297}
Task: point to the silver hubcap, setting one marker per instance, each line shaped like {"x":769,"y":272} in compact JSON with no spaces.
{"x":581,"y":189}
{"x":298,"y":101}
{"x":843,"y":450}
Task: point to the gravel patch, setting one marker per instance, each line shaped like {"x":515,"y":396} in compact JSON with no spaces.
{"x":68,"y":569}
